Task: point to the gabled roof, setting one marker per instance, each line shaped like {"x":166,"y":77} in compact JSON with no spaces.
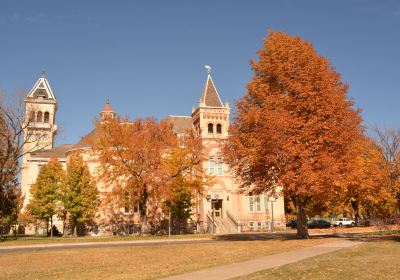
{"x":41,"y":88}
{"x":210,"y":97}
{"x":57,"y":151}
{"x":180,"y":124}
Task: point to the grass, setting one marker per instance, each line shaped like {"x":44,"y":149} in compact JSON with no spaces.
{"x":371,"y":260}
{"x":28,"y":240}
{"x":150,"y":262}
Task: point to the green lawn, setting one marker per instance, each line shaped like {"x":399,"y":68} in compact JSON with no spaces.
{"x":373,"y":260}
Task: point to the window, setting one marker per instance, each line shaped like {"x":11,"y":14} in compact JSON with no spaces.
{"x":219,"y":128}
{"x":251,"y":202}
{"x":251,"y":224}
{"x":258,"y":203}
{"x":211,"y":166}
{"x":126,"y":209}
{"x":220,"y":163}
{"x":46,"y":117}
{"x":39,"y":117}
{"x":210,"y":128}
{"x":32,"y":116}
{"x":259,"y":225}
{"x":265,"y":201}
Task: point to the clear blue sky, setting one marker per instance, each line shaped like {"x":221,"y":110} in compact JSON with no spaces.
{"x":148,"y":56}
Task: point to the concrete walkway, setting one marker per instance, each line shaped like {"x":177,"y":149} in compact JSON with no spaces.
{"x":244,"y":268}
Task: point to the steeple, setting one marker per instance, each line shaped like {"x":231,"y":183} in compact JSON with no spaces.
{"x":108,"y":112}
{"x":42,"y":89}
{"x":211,"y":117}
{"x":210,"y":96}
{"x":40,"y":114}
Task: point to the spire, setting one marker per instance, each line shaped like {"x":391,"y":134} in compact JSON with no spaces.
{"x":41,"y":89}
{"x":209,"y":96}
{"x":108,"y":112}
{"x":107,"y":107}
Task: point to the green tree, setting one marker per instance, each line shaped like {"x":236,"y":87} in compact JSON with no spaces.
{"x":46,"y":192}
{"x":179,"y":204}
{"x":80,"y":196}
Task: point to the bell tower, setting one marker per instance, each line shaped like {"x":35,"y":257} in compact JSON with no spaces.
{"x":211,"y":117}
{"x":40,"y":112}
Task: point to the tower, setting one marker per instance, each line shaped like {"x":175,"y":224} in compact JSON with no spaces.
{"x":211,"y":117}
{"x":107,"y":113}
{"x":39,"y":131}
{"x":211,"y":122}
{"x":40,"y":112}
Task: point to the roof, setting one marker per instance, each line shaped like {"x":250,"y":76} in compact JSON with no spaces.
{"x":107,"y":107}
{"x":41,"y":88}
{"x":180,"y":124}
{"x":209,"y":96}
{"x":59,"y":152}
{"x":88,"y":139}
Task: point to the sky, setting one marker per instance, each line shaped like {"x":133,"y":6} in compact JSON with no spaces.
{"x":148,"y":57}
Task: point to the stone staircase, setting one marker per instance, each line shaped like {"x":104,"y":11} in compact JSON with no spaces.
{"x":225,"y":226}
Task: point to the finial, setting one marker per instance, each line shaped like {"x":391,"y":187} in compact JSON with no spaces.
{"x":208,"y":67}
{"x":42,"y":74}
{"x":108,"y":101}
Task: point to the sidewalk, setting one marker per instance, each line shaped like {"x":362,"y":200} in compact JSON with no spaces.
{"x":248,"y":267}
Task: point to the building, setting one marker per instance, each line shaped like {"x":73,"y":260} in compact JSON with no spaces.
{"x":223,"y":207}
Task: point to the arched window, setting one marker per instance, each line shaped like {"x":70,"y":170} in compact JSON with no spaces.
{"x":46,"y":117}
{"x":39,"y":117}
{"x":219,"y":128}
{"x":210,"y":128}
{"x":32,"y":116}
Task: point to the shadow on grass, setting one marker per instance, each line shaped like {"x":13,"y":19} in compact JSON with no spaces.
{"x":266,"y":236}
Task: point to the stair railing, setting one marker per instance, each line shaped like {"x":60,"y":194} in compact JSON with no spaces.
{"x":230,"y":216}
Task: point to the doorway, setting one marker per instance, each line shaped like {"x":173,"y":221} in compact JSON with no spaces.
{"x":216,"y":206}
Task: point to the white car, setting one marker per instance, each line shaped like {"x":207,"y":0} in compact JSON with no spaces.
{"x":344,"y":222}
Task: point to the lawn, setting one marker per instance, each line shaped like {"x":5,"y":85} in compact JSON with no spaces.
{"x":372,"y":260}
{"x":28,"y":240}
{"x":139,"y":262}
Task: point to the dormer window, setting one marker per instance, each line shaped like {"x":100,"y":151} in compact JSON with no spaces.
{"x":210,"y":128}
{"x":219,"y":128}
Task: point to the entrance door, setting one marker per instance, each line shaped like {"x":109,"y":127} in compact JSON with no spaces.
{"x":216,"y":206}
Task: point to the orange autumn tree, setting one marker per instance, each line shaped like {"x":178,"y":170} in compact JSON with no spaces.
{"x":140,"y":159}
{"x":366,"y":187}
{"x":295,"y":127}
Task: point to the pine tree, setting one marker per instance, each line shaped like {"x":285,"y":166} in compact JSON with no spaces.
{"x":46,"y":192}
{"x":80,"y":196}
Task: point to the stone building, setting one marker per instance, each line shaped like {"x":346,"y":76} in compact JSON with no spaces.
{"x":223,"y":208}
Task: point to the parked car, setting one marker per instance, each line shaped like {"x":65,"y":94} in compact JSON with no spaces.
{"x":318,"y":224}
{"x":344,"y":222}
{"x":292,"y":224}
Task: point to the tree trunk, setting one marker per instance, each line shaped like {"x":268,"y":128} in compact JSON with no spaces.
{"x":143,"y":212}
{"x":354,"y":205}
{"x":51,"y":227}
{"x":302,"y":230}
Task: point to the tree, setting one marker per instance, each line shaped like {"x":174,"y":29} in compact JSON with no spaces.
{"x":388,"y":140}
{"x":140,"y":159}
{"x":14,"y":136}
{"x":294,"y":129}
{"x":80,"y":196}
{"x":367,"y":181}
{"x":46,"y":192}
